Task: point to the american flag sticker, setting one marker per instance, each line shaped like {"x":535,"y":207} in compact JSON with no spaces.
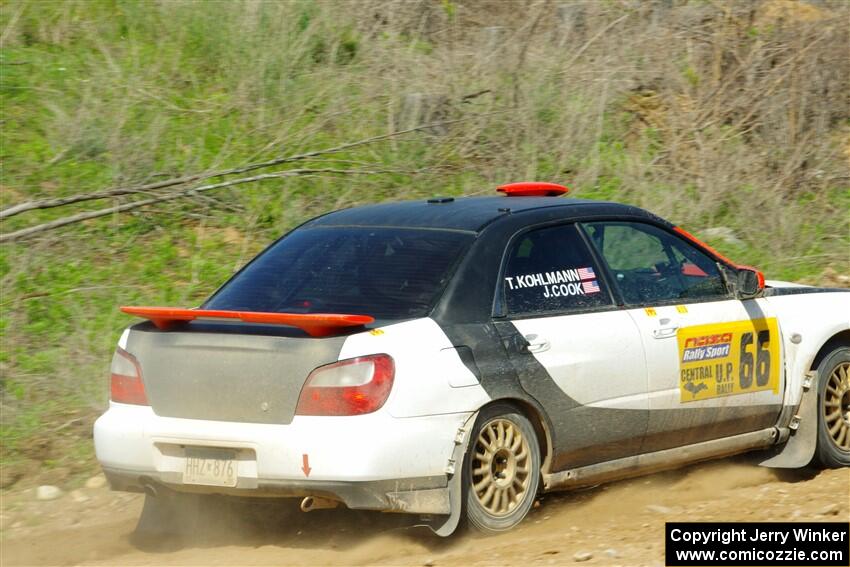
{"x":590,"y":287}
{"x":587,"y":274}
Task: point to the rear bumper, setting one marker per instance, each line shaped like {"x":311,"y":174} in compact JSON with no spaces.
{"x":373,"y":461}
{"x":424,"y":495}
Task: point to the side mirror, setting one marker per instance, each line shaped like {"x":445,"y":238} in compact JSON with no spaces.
{"x":750,"y":282}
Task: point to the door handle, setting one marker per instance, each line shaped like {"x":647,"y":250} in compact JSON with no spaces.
{"x":537,"y":344}
{"x":666,"y":328}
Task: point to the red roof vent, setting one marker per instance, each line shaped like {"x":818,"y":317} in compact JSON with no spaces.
{"x":533,"y":189}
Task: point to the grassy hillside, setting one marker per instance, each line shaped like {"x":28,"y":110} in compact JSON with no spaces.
{"x":732,"y":117}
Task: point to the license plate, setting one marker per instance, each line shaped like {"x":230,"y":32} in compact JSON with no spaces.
{"x":210,"y":467}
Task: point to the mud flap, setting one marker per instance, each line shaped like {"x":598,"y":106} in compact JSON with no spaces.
{"x":443,"y":525}
{"x":800,"y":447}
{"x":168,"y":519}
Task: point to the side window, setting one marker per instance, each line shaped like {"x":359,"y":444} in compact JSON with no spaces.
{"x":651,"y":265}
{"x":550,"y":270}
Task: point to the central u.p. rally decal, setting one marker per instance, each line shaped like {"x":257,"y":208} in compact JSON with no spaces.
{"x":726,"y":359}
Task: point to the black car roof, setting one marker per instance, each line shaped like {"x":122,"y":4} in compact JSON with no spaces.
{"x":465,"y":213}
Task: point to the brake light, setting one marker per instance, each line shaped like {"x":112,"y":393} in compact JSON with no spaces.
{"x":126,"y":386}
{"x":350,"y":387}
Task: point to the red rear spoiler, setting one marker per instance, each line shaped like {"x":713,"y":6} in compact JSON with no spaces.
{"x":314,"y":324}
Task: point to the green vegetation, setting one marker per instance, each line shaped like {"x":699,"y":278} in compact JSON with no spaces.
{"x":749,"y":133}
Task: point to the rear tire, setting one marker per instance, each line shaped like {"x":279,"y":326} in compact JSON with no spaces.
{"x":501,"y":469}
{"x":833,"y":449}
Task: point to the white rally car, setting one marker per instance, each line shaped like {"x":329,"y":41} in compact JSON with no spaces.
{"x":452,"y":358}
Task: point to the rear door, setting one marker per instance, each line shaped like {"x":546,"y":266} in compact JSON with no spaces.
{"x":714,"y":362}
{"x":583,"y":361}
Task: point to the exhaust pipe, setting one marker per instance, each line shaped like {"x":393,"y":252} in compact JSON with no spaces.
{"x":311,"y":503}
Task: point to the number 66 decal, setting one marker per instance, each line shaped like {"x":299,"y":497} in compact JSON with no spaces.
{"x":728,"y":359}
{"x":762,"y":362}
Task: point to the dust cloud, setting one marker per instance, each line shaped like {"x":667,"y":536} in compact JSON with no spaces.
{"x":618,"y":523}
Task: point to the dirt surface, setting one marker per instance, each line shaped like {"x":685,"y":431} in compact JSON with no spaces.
{"x":618,"y":524}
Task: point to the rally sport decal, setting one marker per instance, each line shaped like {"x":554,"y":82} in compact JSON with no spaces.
{"x":726,"y":359}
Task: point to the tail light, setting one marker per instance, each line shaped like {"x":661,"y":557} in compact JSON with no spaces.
{"x":126,"y":381}
{"x":349,"y":387}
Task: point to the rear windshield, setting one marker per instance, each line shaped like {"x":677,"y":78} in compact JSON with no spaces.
{"x":388,"y":273}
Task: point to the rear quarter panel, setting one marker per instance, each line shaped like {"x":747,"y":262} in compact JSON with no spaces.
{"x":430,"y":377}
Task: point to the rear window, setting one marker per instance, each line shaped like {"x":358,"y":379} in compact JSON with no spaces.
{"x":388,"y":273}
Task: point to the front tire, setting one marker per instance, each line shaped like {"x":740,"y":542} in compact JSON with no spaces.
{"x":501,"y":470}
{"x":833,"y":448}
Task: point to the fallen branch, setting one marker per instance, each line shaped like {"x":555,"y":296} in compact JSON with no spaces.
{"x":40,"y":294}
{"x":62,"y":201}
{"x":26,"y":232}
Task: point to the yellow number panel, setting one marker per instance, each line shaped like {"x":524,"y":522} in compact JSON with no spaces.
{"x":726,"y":359}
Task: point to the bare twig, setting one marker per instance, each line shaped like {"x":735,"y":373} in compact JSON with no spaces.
{"x":10,"y":26}
{"x":471,"y":96}
{"x":29,"y":231}
{"x":524,"y":50}
{"x":62,"y":201}
{"x":592,"y":40}
{"x":40,"y":294}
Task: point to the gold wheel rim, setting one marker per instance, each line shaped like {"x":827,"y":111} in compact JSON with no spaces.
{"x":836,"y":406}
{"x":501,"y":467}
